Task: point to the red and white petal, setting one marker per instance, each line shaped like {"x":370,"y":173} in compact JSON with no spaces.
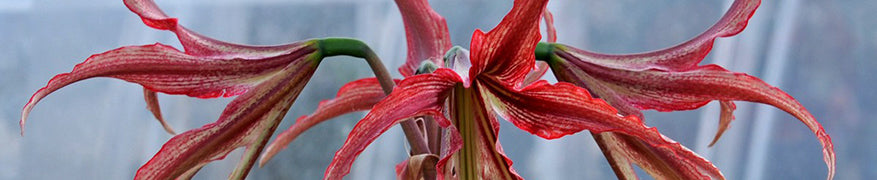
{"x":244,"y":122}
{"x":474,"y":152}
{"x":506,"y":53}
{"x":683,"y":56}
{"x":553,"y":111}
{"x":549,"y":26}
{"x":414,"y":96}
{"x":725,"y":117}
{"x":622,"y":150}
{"x":536,"y":74}
{"x":426,"y":32}
{"x":164,"y":69}
{"x":355,"y":96}
{"x":416,"y":167}
{"x":200,"y":45}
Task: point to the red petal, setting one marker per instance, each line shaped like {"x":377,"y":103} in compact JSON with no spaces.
{"x":661,"y":163}
{"x":689,"y":89}
{"x":164,"y":69}
{"x":355,"y":96}
{"x":725,"y":118}
{"x":552,"y":111}
{"x":506,"y":53}
{"x":244,"y":122}
{"x":414,"y":96}
{"x":152,"y":105}
{"x":473,"y":150}
{"x":426,"y":32}
{"x":199,"y":45}
{"x":683,"y":56}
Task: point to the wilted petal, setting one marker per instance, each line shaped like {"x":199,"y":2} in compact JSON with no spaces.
{"x":426,"y":32}
{"x":553,"y":111}
{"x":506,"y":52}
{"x":355,"y":96}
{"x":415,"y":96}
{"x":164,"y":69}
{"x":415,"y":166}
{"x":152,"y":105}
{"x":683,"y":56}
{"x":244,"y":122}
{"x":549,"y":26}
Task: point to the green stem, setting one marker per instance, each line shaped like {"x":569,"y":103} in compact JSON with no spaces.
{"x":544,"y":51}
{"x":356,"y":48}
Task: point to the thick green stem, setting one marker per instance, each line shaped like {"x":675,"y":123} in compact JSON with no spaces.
{"x":544,"y":51}
{"x":353,"y":47}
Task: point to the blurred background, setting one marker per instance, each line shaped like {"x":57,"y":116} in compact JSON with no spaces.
{"x":820,"y":52}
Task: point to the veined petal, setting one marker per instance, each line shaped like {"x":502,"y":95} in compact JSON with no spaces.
{"x":164,"y":69}
{"x":474,"y":151}
{"x":536,"y":74}
{"x":725,"y":117}
{"x":683,"y":90}
{"x":416,"y":95}
{"x":623,"y":150}
{"x":426,"y":32}
{"x":553,"y":111}
{"x":683,"y":56}
{"x":244,"y":122}
{"x":199,"y":45}
{"x":506,"y":52}
{"x":355,"y":96}
{"x":549,"y":26}
{"x":415,"y":166}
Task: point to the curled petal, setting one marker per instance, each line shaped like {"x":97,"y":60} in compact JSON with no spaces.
{"x":506,"y":52}
{"x":415,"y":96}
{"x":164,"y":69}
{"x":683,"y":56}
{"x":200,"y":45}
{"x":725,"y":117}
{"x":416,"y":166}
{"x":355,"y":96}
{"x":553,"y":111}
{"x":684,"y":90}
{"x":247,"y":121}
{"x":426,"y":32}
{"x":152,"y":105}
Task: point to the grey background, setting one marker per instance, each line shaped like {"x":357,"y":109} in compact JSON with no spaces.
{"x":820,"y":52}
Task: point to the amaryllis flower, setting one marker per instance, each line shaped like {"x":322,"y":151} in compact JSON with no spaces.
{"x":671,"y":80}
{"x":266,"y":79}
{"x":464,"y":101}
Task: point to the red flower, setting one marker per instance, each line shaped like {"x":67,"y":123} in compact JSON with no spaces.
{"x":500,"y":61}
{"x":671,"y":80}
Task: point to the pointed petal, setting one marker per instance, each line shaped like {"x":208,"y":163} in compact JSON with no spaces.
{"x":414,"y":96}
{"x":683,"y":56}
{"x":152,"y":105}
{"x":725,"y":118}
{"x":197,"y":44}
{"x":506,"y":52}
{"x":426,"y":32}
{"x":621,"y":150}
{"x":683,"y":90}
{"x":355,"y":96}
{"x":164,"y":69}
{"x":553,"y":111}
{"x":244,"y":122}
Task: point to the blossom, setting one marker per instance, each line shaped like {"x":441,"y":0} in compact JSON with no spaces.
{"x":500,"y":60}
{"x":670,"y":80}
